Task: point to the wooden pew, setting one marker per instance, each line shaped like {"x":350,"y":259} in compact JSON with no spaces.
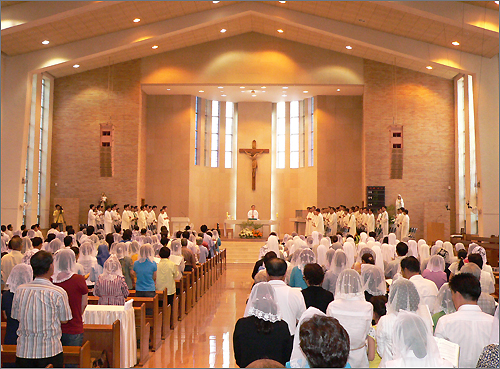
{"x":182,"y":299}
{"x":72,"y":355}
{"x":104,"y":337}
{"x":142,"y":332}
{"x":4,"y":329}
{"x":154,"y":320}
{"x":188,"y":286}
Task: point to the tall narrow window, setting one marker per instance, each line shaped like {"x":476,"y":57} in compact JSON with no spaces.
{"x":206,"y":134}
{"x":196,"y":131}
{"x":40,"y":147}
{"x":229,"y":134}
{"x":311,"y":135}
{"x":461,"y":151}
{"x":294,"y":134}
{"x":214,"y":148}
{"x":302,"y":134}
{"x":280,"y":135}
{"x":472,"y":160}
{"x":106,"y":150}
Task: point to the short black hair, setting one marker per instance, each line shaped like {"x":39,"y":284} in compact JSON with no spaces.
{"x":143,"y":231}
{"x":110,"y":239}
{"x":76,"y":250}
{"x":314,"y":274}
{"x":335,"y":238}
{"x":385,"y":239}
{"x":36,"y":241}
{"x":476,"y":259}
{"x":68,"y":240}
{"x":53,"y":225}
{"x":184,"y":242}
{"x":41,"y":262}
{"x":273,"y":234}
{"x":90,"y":230}
{"x":269,"y":255}
{"x":367,"y":258}
{"x":275,"y":267}
{"x":324,"y":342}
{"x":25,"y":232}
{"x":372,"y":234}
{"x":467,"y":285}
{"x":164,"y":241}
{"x":50,"y":237}
{"x":204,"y":228}
{"x":185,"y":234}
{"x":402,"y":249}
{"x":379,"y":305}
{"x":178,"y":234}
{"x":164,"y":252}
{"x":15,"y":243}
{"x":127,"y":235}
{"x":3,"y":228}
{"x":410,"y":263}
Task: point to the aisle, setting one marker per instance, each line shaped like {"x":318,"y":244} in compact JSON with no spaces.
{"x":204,"y":337}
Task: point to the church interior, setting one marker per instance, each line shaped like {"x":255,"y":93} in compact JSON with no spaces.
{"x":160,"y":102}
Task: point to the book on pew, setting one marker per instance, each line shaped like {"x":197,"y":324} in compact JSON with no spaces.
{"x":448,"y":350}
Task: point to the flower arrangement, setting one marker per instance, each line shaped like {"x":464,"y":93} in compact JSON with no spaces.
{"x":250,"y":230}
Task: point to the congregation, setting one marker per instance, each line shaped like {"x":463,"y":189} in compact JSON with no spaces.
{"x":46,"y":281}
{"x":362,"y":300}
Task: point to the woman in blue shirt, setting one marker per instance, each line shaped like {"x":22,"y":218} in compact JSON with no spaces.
{"x":297,"y":276}
{"x":145,"y":271}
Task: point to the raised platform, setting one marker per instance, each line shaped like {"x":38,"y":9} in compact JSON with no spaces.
{"x":242,"y":251}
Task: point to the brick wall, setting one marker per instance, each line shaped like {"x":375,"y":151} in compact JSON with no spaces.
{"x":81,"y":104}
{"x":424,"y":106}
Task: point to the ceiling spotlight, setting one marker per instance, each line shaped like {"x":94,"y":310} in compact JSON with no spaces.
{"x":201,"y":91}
{"x":263,"y":87}
{"x":429,"y":67}
{"x":284,"y":95}
{"x":76,"y":66}
{"x":284,"y":88}
{"x":455,"y":43}
{"x":220,"y":87}
{"x":242,"y":86}
{"x":305,"y":91}
{"x":154,"y":47}
{"x":242,"y":90}
{"x":45,"y":42}
{"x":280,"y":31}
{"x":224,"y":95}
{"x":348,"y":47}
{"x":168,"y":89}
{"x":338,"y":89}
{"x":216,"y":2}
{"x":137,"y":20}
{"x":223,"y":30}
{"x":283,"y":2}
{"x":253,"y":95}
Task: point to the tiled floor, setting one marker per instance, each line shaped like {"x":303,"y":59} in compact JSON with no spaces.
{"x":204,"y":337}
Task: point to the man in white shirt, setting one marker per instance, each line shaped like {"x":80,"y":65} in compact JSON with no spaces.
{"x":290,"y":299}
{"x":126,"y":217}
{"x":252,"y":213}
{"x":427,"y":290}
{"x":141,"y":221}
{"x":163,"y":219}
{"x":152,"y":216}
{"x":351,"y":222}
{"x":332,"y":221}
{"x":384,"y":222}
{"x":13,"y":258}
{"x":468,"y":327}
{"x":319,"y":222}
{"x":108,"y":220}
{"x":405,"y":224}
{"x":309,"y":220}
{"x":91,"y":218}
{"x":370,"y":222}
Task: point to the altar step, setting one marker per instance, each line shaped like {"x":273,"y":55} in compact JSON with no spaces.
{"x":242,"y":251}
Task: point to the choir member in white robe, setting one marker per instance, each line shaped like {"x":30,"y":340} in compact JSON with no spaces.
{"x":370,"y":223}
{"x":399,"y":202}
{"x":352,"y":223}
{"x":384,"y":222}
{"x":126,"y":217}
{"x":397,"y":222}
{"x":405,"y":224}
{"x":141,"y":221}
{"x":91,"y":219}
{"x":163,"y":219}
{"x":319,"y":222}
{"x":152,"y":216}
{"x":108,"y":220}
{"x":117,"y":220}
{"x":333,"y":222}
{"x":309,"y":220}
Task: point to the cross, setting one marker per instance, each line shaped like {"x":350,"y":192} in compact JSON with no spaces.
{"x":253,"y":153}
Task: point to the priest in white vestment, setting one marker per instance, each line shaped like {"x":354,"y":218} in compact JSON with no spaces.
{"x":384,"y":222}
{"x":163,"y":220}
{"x":141,"y":221}
{"x":309,"y":219}
{"x":405,"y":225}
{"x":370,"y":223}
{"x":333,"y":222}
{"x":91,"y":219}
{"x":108,"y":220}
{"x":126,"y":217}
{"x":319,"y":221}
{"x":398,"y":222}
{"x":351,"y":223}
{"x":252,"y":213}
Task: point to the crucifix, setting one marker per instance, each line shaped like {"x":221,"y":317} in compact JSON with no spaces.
{"x":253,"y":153}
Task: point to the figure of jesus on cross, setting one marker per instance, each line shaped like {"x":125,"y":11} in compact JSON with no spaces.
{"x":253,"y":153}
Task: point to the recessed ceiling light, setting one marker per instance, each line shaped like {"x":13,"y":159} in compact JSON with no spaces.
{"x":263,"y":87}
{"x":429,"y":67}
{"x":224,"y":95}
{"x":338,"y":89}
{"x":137,"y":20}
{"x":280,"y":31}
{"x":220,"y":87}
{"x":348,"y":47}
{"x":253,"y":95}
{"x":284,"y":88}
{"x":283,"y":2}
{"x":305,"y":91}
{"x":262,"y":91}
{"x":242,"y":86}
{"x":456,"y":43}
{"x":284,"y":95}
{"x":76,"y":66}
{"x":201,"y":91}
{"x":242,"y":91}
{"x":168,"y":89}
{"x":154,"y":47}
{"x":45,"y":42}
{"x":215,"y":2}
{"x":223,"y":30}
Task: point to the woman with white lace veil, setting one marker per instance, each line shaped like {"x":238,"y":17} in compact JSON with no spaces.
{"x":306,"y":256}
{"x":414,"y":346}
{"x":54,"y":245}
{"x":64,"y":265}
{"x":434,"y":271}
{"x":444,"y":304}
{"x":111,"y":286}
{"x":337,"y":264}
{"x":476,"y":249}
{"x":133,"y":250}
{"x":403,"y":295}
{"x":273,"y":244}
{"x":323,"y":247}
{"x":424,"y":254}
{"x":88,"y":260}
{"x":176,"y":255}
{"x":26,"y":245}
{"x":350,"y":251}
{"x":145,"y":270}
{"x":379,"y":259}
{"x":27,"y":256}
{"x":121,"y":253}
{"x":412,"y":248}
{"x":20,"y":274}
{"x":261,"y":332}
{"x":365,"y":256}
{"x":373,"y":280}
{"x":354,"y":313}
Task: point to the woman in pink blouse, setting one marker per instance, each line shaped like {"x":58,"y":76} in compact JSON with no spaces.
{"x":111,"y":286}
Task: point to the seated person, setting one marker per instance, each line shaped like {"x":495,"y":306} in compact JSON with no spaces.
{"x":111,"y":286}
{"x":314,"y":294}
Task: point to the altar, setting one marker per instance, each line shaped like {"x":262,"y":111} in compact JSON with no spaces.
{"x":178,"y":224}
{"x":229,"y":223}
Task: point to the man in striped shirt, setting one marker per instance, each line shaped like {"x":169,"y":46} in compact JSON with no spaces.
{"x":40,"y":307}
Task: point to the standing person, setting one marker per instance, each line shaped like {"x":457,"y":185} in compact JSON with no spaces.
{"x":370,"y":222}
{"x":141,"y":221}
{"x":91,"y":218}
{"x":399,"y":202}
{"x":145,"y":270}
{"x":320,"y":225}
{"x":398,"y":223}
{"x":167,"y":274}
{"x":20,"y":274}
{"x":384,"y":221}
{"x":76,"y":288}
{"x":126,"y":217}
{"x":333,"y":221}
{"x":309,"y":219}
{"x":111,"y":286}
{"x":108,"y":220}
{"x":252,"y":213}
{"x":163,"y":220}
{"x":41,"y":308}
{"x":59,"y":217}
{"x":405,"y":224}
{"x":351,"y":222}
{"x":13,"y":258}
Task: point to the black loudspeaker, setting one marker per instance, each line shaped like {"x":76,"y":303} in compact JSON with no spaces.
{"x":375,"y":197}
